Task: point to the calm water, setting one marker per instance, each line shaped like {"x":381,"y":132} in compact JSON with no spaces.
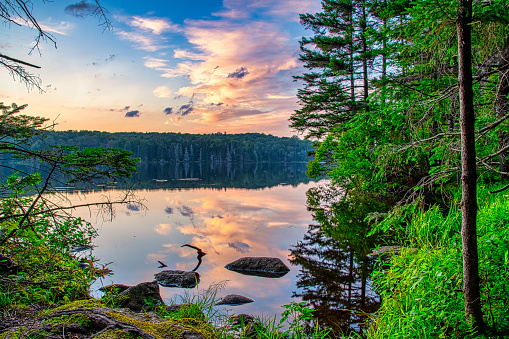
{"x":256,"y":210}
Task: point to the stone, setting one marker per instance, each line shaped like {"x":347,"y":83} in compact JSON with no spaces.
{"x":177,"y":278}
{"x":245,"y":325}
{"x":234,"y":300}
{"x":187,"y":334}
{"x":241,"y":320}
{"x":140,"y":298}
{"x":259,"y":266}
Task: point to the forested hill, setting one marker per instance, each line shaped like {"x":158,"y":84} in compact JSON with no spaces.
{"x":179,"y":147}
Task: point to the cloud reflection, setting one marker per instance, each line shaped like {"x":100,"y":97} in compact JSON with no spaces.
{"x":226,"y":224}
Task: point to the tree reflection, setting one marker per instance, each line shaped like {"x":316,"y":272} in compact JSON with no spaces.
{"x":334,"y":275}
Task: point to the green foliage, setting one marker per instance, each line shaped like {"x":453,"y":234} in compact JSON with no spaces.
{"x":422,"y":290}
{"x":43,"y":227}
{"x":46,"y":275}
{"x":14,"y":126}
{"x":197,"y":304}
{"x":28,"y":210}
{"x":295,"y":318}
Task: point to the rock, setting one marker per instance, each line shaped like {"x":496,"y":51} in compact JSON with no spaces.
{"x":245,"y":324}
{"x":177,"y":278}
{"x":259,"y":266}
{"x":142,"y":297}
{"x":114,"y":289}
{"x":234,"y":300}
{"x":241,"y":320}
{"x":7,"y":265}
{"x":187,"y":334}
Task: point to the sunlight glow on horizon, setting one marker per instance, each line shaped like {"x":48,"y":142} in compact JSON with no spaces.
{"x":223,"y":67}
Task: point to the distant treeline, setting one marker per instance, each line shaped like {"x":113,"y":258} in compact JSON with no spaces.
{"x":183,"y":147}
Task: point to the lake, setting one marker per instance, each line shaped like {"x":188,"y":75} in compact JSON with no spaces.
{"x":231,"y":212}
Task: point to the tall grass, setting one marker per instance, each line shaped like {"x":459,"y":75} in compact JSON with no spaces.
{"x":199,"y":303}
{"x":422,"y":290}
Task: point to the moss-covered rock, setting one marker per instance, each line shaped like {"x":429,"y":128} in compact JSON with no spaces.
{"x":142,"y":297}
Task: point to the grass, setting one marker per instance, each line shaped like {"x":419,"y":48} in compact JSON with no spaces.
{"x":422,"y":291}
{"x":197,"y":303}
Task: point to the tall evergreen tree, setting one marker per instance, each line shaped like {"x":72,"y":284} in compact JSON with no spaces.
{"x":338,"y":57}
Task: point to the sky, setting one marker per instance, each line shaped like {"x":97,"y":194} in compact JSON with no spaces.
{"x":202,"y":66}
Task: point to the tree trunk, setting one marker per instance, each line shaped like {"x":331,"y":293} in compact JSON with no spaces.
{"x":471,"y":279}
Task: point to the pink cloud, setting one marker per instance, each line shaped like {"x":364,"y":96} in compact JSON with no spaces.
{"x":243,"y":66}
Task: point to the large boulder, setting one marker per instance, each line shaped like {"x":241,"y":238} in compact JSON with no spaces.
{"x":234,"y":300}
{"x":177,"y":278}
{"x":259,"y":266}
{"x":140,"y":298}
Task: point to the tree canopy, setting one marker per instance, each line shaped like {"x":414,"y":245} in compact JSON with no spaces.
{"x":398,"y":149}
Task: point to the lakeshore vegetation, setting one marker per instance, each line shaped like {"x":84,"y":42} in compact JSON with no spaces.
{"x":407,"y":105}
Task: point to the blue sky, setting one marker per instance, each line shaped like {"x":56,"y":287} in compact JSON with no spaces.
{"x":167,"y":66}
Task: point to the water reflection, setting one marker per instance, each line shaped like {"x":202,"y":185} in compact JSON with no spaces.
{"x":334,"y":272}
{"x":226,"y":224}
{"x":220,"y":175}
{"x":228,"y":213}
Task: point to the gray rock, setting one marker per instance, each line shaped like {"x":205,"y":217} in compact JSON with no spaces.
{"x":245,"y":325}
{"x":234,"y":300}
{"x":140,"y":298}
{"x":177,"y":278}
{"x":188,"y":334}
{"x":241,"y":320}
{"x":259,"y":266}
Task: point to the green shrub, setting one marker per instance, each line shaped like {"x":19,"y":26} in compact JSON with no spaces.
{"x":422,"y":290}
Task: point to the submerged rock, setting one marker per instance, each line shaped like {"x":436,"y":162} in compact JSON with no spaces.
{"x":142,"y":297}
{"x":259,"y":266}
{"x":234,"y":300}
{"x":177,"y":278}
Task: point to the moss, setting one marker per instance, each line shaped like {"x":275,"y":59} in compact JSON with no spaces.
{"x":117,"y":334}
{"x":78,"y":318}
{"x":21,"y":332}
{"x":170,"y":328}
{"x":86,"y":304}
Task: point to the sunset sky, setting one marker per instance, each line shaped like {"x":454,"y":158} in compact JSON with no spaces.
{"x":200,"y":66}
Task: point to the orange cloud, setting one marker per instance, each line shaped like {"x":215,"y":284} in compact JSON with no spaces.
{"x":245,"y":67}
